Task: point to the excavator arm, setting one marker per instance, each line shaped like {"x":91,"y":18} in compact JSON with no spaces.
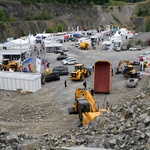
{"x":87,"y":95}
{"x":120,"y":63}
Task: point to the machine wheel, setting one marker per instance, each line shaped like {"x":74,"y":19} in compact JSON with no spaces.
{"x":13,"y":67}
{"x":82,"y":77}
{"x":87,"y":73}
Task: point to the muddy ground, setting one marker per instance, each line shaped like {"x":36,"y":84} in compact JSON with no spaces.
{"x":46,"y":111}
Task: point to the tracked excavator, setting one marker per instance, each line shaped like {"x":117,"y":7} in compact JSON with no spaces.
{"x":85,"y":106}
{"x":128,"y":71}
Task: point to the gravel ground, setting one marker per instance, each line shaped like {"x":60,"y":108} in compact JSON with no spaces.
{"x":46,"y":111}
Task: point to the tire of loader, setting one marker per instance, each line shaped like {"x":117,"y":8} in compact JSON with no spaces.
{"x":87,"y":73}
{"x":13,"y":67}
{"x":82,"y":77}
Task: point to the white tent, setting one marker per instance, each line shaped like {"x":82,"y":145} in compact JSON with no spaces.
{"x":117,"y":35}
{"x":31,"y":39}
{"x":19,"y":42}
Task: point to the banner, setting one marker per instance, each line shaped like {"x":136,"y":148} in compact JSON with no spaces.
{"x":38,"y":65}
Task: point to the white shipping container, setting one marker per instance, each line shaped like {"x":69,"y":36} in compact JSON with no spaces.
{"x":30,"y":82}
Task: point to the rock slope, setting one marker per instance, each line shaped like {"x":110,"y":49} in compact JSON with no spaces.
{"x":122,"y":127}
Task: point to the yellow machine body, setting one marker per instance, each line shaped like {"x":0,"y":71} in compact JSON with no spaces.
{"x":80,"y":72}
{"x":85,"y":106}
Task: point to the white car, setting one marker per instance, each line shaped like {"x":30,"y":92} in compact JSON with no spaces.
{"x":68,"y":58}
{"x":135,"y":48}
{"x":70,"y":62}
{"x":64,"y":49}
{"x":147,"y":53}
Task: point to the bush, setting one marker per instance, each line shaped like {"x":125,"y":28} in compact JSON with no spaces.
{"x":43,"y":16}
{"x":147,"y":28}
{"x":128,"y":45}
{"x":138,"y":42}
{"x":59,"y":27}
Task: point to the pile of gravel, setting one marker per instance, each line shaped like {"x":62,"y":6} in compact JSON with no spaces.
{"x":125,"y":127}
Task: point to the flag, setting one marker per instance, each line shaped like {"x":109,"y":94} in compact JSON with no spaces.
{"x":77,"y":28}
{"x":38,"y":65}
{"x":68,"y":28}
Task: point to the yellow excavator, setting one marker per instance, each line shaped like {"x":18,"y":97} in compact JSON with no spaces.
{"x":85,"y":106}
{"x":128,"y":71}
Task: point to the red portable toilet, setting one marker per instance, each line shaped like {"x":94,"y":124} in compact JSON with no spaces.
{"x":102,"y":76}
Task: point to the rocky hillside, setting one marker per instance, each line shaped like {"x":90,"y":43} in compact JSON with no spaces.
{"x":25,"y":16}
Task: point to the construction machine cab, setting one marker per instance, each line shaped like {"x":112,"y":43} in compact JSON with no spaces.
{"x":79,"y":66}
{"x":5,"y":61}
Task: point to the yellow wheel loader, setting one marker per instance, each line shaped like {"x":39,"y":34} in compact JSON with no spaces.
{"x":80,"y":72}
{"x":85,"y":106}
{"x":7,"y":64}
{"x":84,"y":45}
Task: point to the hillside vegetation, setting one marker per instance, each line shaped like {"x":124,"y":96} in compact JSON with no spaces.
{"x":38,"y":17}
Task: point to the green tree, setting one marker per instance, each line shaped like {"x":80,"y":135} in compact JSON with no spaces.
{"x":59,"y":27}
{"x":2,"y":15}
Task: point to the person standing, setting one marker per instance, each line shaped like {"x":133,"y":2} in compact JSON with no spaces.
{"x":65,"y":83}
{"x":84,"y":84}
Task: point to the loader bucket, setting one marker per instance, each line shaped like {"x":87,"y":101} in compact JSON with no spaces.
{"x":71,"y":111}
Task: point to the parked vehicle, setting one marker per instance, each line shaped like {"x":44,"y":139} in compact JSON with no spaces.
{"x":58,"y":51}
{"x":76,"y":44}
{"x":64,"y":49}
{"x":70,"y":62}
{"x":61,"y":57}
{"x":68,"y":58}
{"x":72,"y":39}
{"x":135,"y":48}
{"x":61,"y":70}
{"x":147,"y":53}
{"x":132,"y":82}
{"x":52,"y":77}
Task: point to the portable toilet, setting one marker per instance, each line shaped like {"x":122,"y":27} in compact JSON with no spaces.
{"x":102,"y":76}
